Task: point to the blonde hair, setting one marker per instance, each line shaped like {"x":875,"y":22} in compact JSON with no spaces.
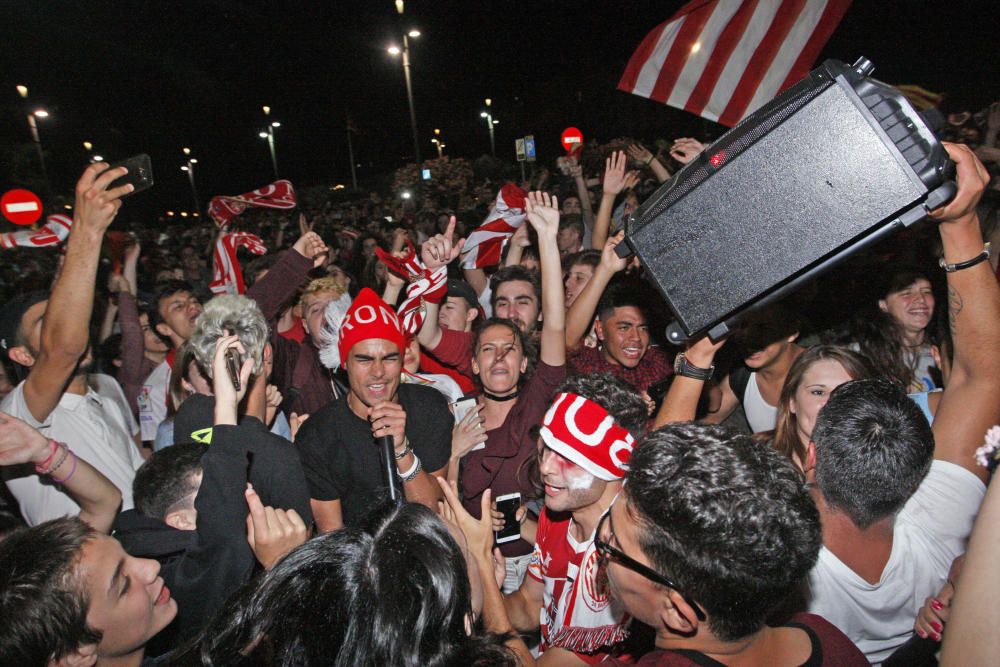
{"x":324,"y":284}
{"x":230,"y":313}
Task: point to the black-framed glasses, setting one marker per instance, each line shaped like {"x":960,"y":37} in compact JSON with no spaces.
{"x":608,"y":552}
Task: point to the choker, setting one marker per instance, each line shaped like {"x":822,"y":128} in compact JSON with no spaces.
{"x":501,"y":399}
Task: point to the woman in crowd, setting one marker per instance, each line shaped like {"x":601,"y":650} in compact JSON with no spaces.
{"x":398,"y":591}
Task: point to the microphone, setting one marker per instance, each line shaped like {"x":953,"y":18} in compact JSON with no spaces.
{"x":388,"y":451}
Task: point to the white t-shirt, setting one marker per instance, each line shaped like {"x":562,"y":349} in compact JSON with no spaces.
{"x":152,"y":400}
{"x":761,"y":415}
{"x":95,"y":429}
{"x":930,"y":531}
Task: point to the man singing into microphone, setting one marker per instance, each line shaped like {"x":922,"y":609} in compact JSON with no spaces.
{"x":339,"y":444}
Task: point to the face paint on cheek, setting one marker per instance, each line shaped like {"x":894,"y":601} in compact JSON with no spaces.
{"x":578,"y":479}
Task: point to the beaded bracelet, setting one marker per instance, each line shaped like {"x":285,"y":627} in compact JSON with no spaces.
{"x":72,"y":471}
{"x":59,"y":462}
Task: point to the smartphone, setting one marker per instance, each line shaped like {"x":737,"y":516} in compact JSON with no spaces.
{"x":425,"y":174}
{"x":508,"y":505}
{"x":234,"y":361}
{"x":140,"y":173}
{"x":460,"y":409}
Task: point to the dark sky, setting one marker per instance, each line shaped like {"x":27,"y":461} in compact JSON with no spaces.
{"x":153,"y":76}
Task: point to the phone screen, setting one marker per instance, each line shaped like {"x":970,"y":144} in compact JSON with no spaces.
{"x":508,"y":505}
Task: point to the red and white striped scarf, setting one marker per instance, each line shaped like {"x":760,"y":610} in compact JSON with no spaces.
{"x":227,"y":277}
{"x":53,"y":233}
{"x":423,"y":286}
{"x":485,"y":245}
{"x":279,"y":195}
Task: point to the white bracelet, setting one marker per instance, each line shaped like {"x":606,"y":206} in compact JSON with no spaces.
{"x":412,"y":472}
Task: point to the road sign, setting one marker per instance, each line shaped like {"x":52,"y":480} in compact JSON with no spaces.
{"x":21,"y":207}
{"x":529,"y":147}
{"x":519,"y":148}
{"x":572,"y":139}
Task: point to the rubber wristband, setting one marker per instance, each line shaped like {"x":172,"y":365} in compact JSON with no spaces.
{"x":414,"y":470}
{"x":958,"y":266}
{"x":59,"y":461}
{"x":54,"y":447}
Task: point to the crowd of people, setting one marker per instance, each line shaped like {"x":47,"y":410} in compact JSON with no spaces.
{"x":391,"y":450}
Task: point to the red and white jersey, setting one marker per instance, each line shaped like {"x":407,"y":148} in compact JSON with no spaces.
{"x":578,"y":613}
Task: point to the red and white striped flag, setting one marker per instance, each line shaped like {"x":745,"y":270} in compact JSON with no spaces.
{"x":723,"y":59}
{"x":55,"y":231}
{"x":227,"y":277}
{"x":280,"y":195}
{"x":485,"y":245}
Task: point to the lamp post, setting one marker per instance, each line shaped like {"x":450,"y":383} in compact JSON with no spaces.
{"x":488,"y":115}
{"x":269,"y":135}
{"x":189,"y":168}
{"x":438,"y":143}
{"x":33,"y":126}
{"x":405,"y":52}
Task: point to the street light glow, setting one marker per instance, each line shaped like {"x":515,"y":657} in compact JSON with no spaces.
{"x":488,"y":101}
{"x":275,"y":124}
{"x":414,"y":33}
{"x":496,"y":122}
{"x":98,"y":158}
{"x":87,"y":145}
{"x":262,"y":135}
{"x":193,"y":161}
{"x":41,"y":113}
{"x":399,"y":6}
{"x":405,"y":195}
{"x":187,"y":151}
{"x":394,"y":50}
{"x":267,"y":109}
{"x":184,"y":168}
{"x":482,"y":114}
{"x":22,"y":91}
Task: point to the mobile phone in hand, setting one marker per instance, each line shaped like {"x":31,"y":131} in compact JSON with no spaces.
{"x":140,"y":173}
{"x":460,"y":409}
{"x":508,"y":505}
{"x":234,"y":362}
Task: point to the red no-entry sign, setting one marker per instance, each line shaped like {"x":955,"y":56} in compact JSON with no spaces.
{"x":572,"y":139}
{"x":21,"y":207}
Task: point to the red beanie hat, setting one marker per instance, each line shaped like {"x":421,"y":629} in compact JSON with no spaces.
{"x":583,"y":432}
{"x":369,"y":317}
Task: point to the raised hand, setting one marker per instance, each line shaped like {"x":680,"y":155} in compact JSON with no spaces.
{"x":96,"y":206}
{"x":20,"y":443}
{"x":971,"y":177}
{"x":521,"y":238}
{"x":468,"y":433}
{"x":311,"y":246}
{"x":686,"y":149}
{"x":543,"y":213}
{"x":389,"y":419}
{"x":640,"y":153}
{"x":615,"y":178}
{"x":440,"y":250}
{"x":271,"y":532}
{"x":295,"y":422}
{"x":609,"y":258}
{"x":222,"y":385}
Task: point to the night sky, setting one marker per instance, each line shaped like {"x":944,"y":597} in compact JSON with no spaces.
{"x":154,"y":76}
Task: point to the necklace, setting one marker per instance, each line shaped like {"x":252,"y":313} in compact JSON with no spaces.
{"x":501,"y":399}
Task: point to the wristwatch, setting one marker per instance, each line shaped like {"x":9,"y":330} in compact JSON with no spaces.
{"x":685,"y":368}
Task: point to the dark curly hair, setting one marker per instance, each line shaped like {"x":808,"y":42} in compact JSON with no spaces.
{"x":730,"y":521}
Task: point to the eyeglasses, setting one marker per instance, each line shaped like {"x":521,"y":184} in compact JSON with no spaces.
{"x":608,"y":552}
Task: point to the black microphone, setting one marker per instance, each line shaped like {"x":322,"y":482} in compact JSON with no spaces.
{"x":388,"y":451}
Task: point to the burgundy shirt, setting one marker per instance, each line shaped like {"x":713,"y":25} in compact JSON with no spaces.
{"x":654,"y":366}
{"x":830,"y":648}
{"x":500,"y":466}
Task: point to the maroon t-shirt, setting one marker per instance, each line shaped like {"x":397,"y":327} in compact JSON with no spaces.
{"x":830,"y":648}
{"x":500,"y":466}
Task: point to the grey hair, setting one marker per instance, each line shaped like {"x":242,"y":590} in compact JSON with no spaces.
{"x":230,"y":313}
{"x":329,"y":332}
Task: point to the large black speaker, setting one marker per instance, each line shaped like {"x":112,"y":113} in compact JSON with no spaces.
{"x":829,"y":166}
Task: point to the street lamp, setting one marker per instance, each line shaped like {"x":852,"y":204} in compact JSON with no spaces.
{"x":488,"y":115}
{"x":438,"y":143}
{"x":405,"y":52}
{"x":269,"y":135}
{"x":33,"y":126}
{"x":189,"y":168}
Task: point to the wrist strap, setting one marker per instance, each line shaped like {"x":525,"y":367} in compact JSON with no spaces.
{"x":958,"y":266}
{"x":406,"y":449}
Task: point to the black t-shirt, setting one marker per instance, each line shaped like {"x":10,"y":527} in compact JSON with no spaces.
{"x":341,"y":459}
